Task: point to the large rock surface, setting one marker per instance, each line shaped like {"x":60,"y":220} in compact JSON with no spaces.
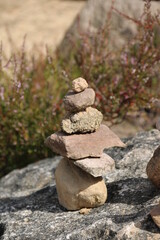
{"x":29,"y":208}
{"x":94,"y":15}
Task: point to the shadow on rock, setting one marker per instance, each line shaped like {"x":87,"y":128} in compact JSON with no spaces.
{"x":45,"y":199}
{"x":148,"y":225}
{"x":132,"y":191}
{"x":2,"y":229}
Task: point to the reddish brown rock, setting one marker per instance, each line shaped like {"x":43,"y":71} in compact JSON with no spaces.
{"x":77,"y":189}
{"x":96,"y":166}
{"x":153,"y":168}
{"x":155,"y":214}
{"x":75,"y":102}
{"x":79,"y":146}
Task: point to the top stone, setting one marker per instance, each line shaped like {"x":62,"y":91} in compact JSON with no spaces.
{"x":79,"y":85}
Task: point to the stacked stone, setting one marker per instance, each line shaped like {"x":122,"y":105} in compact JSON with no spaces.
{"x":81,"y":142}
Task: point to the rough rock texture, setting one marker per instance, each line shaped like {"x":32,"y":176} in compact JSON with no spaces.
{"x":94,"y":15}
{"x":155,"y":214}
{"x":79,"y":84}
{"x":96,"y":166}
{"x":79,"y":146}
{"x":153,"y":168}
{"x":29,"y":208}
{"x":76,"y":189}
{"x":83,"y":122}
{"x":75,"y":102}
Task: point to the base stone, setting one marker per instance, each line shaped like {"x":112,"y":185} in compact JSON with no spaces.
{"x":77,"y":189}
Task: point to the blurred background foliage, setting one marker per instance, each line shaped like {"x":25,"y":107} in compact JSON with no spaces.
{"x":31,"y":89}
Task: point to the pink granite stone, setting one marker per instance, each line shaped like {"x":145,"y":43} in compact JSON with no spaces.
{"x":79,"y":146}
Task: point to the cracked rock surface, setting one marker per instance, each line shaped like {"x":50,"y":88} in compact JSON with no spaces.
{"x":29,"y":208}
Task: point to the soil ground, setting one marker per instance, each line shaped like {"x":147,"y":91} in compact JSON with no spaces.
{"x":44,"y":22}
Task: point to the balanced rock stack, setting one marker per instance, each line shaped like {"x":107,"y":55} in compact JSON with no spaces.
{"x":81,"y":142}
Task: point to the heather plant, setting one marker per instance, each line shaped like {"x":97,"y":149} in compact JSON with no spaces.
{"x":31,"y":88}
{"x":125,"y":80}
{"x":29,"y":109}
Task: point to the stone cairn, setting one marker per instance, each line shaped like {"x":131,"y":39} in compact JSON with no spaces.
{"x":81,"y":142}
{"x":153,"y":172}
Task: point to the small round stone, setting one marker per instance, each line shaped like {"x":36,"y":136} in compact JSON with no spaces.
{"x":79,"y":84}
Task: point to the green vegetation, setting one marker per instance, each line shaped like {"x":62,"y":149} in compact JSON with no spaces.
{"x":31,"y":89}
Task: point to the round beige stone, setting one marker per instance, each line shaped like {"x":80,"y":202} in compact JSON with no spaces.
{"x":79,"y":84}
{"x":77,"y":189}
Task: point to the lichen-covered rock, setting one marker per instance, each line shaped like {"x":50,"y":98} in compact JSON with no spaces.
{"x":83,"y":122}
{"x":79,"y":84}
{"x":153,"y":168}
{"x":76,"y":189}
{"x":76,"y":102}
{"x":29,"y":207}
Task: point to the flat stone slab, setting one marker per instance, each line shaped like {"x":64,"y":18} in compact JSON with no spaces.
{"x":76,"y":102}
{"x":82,"y":122}
{"x":79,"y":146}
{"x":96,"y":166}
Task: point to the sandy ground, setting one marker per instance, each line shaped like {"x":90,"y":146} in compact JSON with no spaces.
{"x":43,"y":21}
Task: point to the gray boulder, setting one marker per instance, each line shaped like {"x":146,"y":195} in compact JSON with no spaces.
{"x":29,"y":208}
{"x":94,"y":15}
